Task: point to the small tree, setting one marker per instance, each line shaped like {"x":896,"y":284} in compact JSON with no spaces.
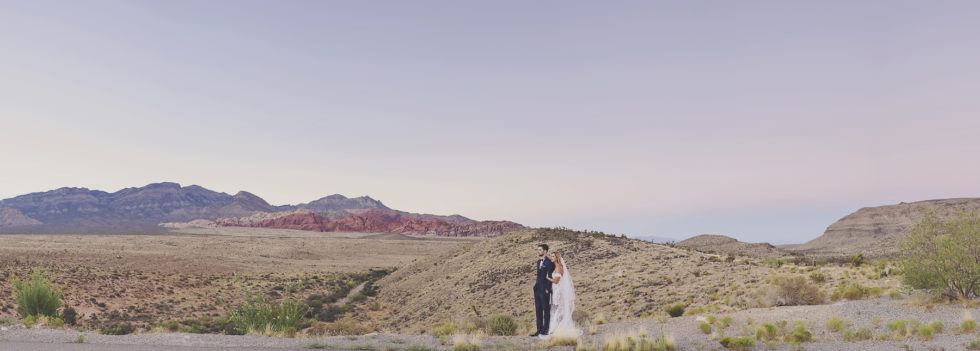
{"x":943,"y":255}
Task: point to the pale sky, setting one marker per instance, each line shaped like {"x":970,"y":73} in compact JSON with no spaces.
{"x":761,"y":120}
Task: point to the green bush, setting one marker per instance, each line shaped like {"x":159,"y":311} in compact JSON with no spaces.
{"x":501,"y":324}
{"x":937,"y":326}
{"x":925,"y":332}
{"x":256,"y":316}
{"x":36,"y":297}
{"x":800,"y":334}
{"x":973,"y":345}
{"x":940,"y":255}
{"x":674,"y":311}
{"x":740,"y":343}
{"x":817,"y":277}
{"x":705,"y":327}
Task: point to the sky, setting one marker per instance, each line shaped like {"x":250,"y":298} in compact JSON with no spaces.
{"x":761,"y":120}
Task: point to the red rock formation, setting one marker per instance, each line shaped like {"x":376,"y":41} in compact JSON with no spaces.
{"x":381,"y":221}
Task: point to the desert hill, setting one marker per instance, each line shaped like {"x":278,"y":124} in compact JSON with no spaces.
{"x":616,"y":278}
{"x":161,"y":206}
{"x":875,"y":231}
{"x":712,"y":243}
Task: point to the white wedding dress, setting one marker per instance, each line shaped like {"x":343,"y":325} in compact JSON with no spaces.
{"x":562,"y":305}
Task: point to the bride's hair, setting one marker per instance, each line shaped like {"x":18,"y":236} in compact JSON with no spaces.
{"x":558,"y":260}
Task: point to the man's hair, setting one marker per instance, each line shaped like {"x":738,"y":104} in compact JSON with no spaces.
{"x":543,"y":246}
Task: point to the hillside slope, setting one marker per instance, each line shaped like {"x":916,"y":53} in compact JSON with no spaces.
{"x":875,"y":231}
{"x":712,"y":243}
{"x":616,"y":278}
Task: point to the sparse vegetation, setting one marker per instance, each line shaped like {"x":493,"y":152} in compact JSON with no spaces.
{"x":789,"y":290}
{"x":855,"y":291}
{"x":464,"y":343}
{"x":501,"y":324}
{"x":705,"y":327}
{"x":80,"y":339}
{"x":638,"y":340}
{"x":121,"y":328}
{"x":676,"y":310}
{"x":940,"y":255}
{"x":344,"y":326}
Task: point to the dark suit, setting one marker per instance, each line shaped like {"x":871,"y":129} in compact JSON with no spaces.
{"x":542,"y":294}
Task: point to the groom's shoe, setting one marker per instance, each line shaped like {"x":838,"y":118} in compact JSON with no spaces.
{"x":535,"y":334}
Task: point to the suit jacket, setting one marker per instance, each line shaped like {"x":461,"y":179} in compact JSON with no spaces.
{"x":545,"y":269}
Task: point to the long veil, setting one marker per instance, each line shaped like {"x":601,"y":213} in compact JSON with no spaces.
{"x":563,"y":323}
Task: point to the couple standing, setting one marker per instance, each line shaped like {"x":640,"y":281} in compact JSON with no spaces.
{"x":554,"y":296}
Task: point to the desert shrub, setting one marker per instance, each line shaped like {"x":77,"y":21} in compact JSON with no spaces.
{"x":462,"y":343}
{"x":799,"y":334}
{"x":581,"y":317}
{"x":43,"y":320}
{"x":940,"y":255}
{"x":562,"y":340}
{"x":855,"y":291}
{"x":835,"y":324}
{"x":36,"y":296}
{"x":675,"y":310}
{"x":80,"y":339}
{"x":69,"y":315}
{"x":863,"y":334}
{"x":937,"y":326}
{"x":419,"y":347}
{"x":705,"y":327}
{"x":445,"y":328}
{"x":895,"y":295}
{"x":256,"y":316}
{"x":331,"y":312}
{"x":790,"y":290}
{"x":724,"y":322}
{"x":121,"y":328}
{"x":968,"y":326}
{"x":925,"y":332}
{"x":973,"y":345}
{"x":766,"y":332}
{"x":818,"y":277}
{"x":501,"y":324}
{"x":344,"y":326}
{"x":638,"y":341}
{"x":739,"y":343}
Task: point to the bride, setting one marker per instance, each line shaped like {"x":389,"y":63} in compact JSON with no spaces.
{"x":562,"y":300}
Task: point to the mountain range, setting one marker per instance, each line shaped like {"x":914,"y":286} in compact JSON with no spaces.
{"x":144,"y":209}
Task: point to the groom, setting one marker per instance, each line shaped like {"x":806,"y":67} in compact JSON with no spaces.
{"x":542,"y":290}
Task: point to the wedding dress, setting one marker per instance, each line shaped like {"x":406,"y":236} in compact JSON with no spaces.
{"x":562,"y":305}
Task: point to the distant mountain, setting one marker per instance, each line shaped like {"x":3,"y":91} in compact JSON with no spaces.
{"x":720,"y":244}
{"x":337,"y":203}
{"x":875,"y":231}
{"x":157,"y":206}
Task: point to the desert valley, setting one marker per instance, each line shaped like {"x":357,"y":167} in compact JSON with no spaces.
{"x":178,"y":266}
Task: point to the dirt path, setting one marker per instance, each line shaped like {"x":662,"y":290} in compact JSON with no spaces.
{"x":353,"y":291}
